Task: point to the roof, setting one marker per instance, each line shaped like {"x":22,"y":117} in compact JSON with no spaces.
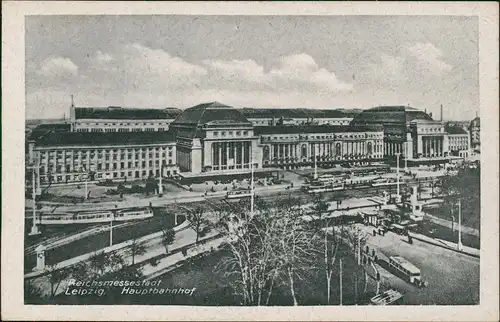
{"x":259,"y":130}
{"x":297,"y":113}
{"x":390,"y":115}
{"x":406,"y":264}
{"x":455,"y":129}
{"x":213,"y":112}
{"x":44,"y":129}
{"x":475,"y":122}
{"x":120,"y":113}
{"x":103,"y":138}
{"x":207,"y":114}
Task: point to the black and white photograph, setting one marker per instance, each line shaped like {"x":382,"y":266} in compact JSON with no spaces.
{"x":254,"y":160}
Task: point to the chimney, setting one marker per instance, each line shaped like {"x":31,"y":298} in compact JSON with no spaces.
{"x":72,"y":101}
{"x":441,"y":116}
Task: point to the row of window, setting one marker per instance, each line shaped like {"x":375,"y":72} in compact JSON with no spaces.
{"x":107,"y":157}
{"x":230,"y":133}
{"x":101,"y":166}
{"x":101,"y":175}
{"x":323,"y":137}
{"x":124,"y":124}
{"x":285,"y":150}
{"x":109,"y":130}
{"x":431,"y":129}
{"x":106,"y":151}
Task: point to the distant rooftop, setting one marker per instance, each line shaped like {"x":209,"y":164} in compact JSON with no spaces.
{"x":314,"y":129}
{"x":390,"y":115}
{"x":285,"y":113}
{"x":103,"y":138}
{"x":119,"y":113}
{"x":455,"y":129}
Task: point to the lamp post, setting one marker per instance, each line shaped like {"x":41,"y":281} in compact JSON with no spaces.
{"x":111,"y":228}
{"x":406,"y":156}
{"x":252,"y":194}
{"x":459,"y":244}
{"x":34,"y":227}
{"x":160,"y":188}
{"x":341,"y":281}
{"x":397,"y":175}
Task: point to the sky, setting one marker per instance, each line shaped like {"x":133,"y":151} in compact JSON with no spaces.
{"x":312,"y":62}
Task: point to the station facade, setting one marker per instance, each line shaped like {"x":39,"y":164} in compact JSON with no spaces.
{"x":114,"y":143}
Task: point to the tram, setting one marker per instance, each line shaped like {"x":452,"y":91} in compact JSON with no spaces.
{"x":96,"y":216}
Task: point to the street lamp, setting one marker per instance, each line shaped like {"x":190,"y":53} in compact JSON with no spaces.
{"x":459,"y":244}
{"x":34,"y":227}
{"x":397,"y":175}
{"x":160,"y":188}
{"x":252,"y":193}
{"x":406,"y":156}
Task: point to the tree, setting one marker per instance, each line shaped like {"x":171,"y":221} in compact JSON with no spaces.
{"x":136,"y":249}
{"x":32,"y":293}
{"x":272,"y":246}
{"x":81,"y":271}
{"x":355,"y":240}
{"x":296,"y":246}
{"x":198,"y":220}
{"x":56,"y":276}
{"x":99,"y":263}
{"x":465,"y":186}
{"x":331,"y":242}
{"x":167,"y":238}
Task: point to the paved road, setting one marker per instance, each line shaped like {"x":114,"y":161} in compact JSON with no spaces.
{"x":453,"y":277}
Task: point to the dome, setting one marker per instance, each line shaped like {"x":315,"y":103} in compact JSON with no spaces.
{"x":390,"y":115}
{"x":211,"y":113}
{"x":208,"y":115}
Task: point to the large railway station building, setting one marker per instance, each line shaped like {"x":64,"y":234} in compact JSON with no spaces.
{"x":213,"y":138}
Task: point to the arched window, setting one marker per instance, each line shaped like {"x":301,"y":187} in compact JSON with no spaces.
{"x":369,"y":148}
{"x":303,"y":151}
{"x":338,"y":149}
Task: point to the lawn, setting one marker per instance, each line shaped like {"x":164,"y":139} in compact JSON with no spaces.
{"x":213,"y":288}
{"x":101,"y":240}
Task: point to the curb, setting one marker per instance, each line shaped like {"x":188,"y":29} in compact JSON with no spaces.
{"x":109,"y":249}
{"x":445,"y":246}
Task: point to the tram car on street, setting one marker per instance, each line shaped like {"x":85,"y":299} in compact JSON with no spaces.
{"x":92,"y":217}
{"x":238,"y":194}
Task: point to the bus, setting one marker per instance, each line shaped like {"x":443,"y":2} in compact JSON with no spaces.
{"x":410,"y":271}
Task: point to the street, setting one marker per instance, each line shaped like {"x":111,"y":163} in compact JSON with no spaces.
{"x":453,"y":277}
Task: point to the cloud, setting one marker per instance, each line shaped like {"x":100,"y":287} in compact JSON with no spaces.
{"x":238,"y":70}
{"x":58,"y":66}
{"x":393,"y":65}
{"x":430,"y":57}
{"x":103,"y":58}
{"x":143,"y":59}
{"x":293,"y":72}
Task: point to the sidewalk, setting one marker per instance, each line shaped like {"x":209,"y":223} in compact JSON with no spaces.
{"x":116,"y":247}
{"x":170,"y":262}
{"x":156,"y":201}
{"x":184,"y":237}
{"x":447,"y":223}
{"x":447,"y":244}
